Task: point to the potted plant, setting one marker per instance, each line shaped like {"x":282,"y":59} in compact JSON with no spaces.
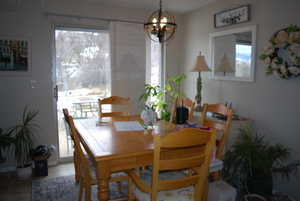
{"x":23,"y":134}
{"x":251,"y":163}
{"x":149,"y":103}
{"x":5,"y":142}
{"x":173,"y":89}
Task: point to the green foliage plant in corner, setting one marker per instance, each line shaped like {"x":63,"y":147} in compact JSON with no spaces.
{"x":5,"y":143}
{"x":251,"y":163}
{"x":23,"y":134}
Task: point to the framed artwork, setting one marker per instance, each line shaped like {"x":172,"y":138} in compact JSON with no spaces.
{"x":232,"y":16}
{"x":15,"y":56}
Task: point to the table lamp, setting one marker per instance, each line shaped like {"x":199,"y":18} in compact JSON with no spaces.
{"x":200,"y":66}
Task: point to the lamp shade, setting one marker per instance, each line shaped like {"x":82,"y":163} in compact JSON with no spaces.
{"x":225,"y":66}
{"x":200,"y":65}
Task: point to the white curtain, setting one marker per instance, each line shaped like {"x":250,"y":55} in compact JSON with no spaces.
{"x":128,"y":61}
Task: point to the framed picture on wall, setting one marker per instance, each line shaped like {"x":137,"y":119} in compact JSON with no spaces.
{"x":232,"y":16}
{"x":15,"y":56}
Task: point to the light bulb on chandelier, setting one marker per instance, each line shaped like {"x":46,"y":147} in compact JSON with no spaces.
{"x":160,"y":26}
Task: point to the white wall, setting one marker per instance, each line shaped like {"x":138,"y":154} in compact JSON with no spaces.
{"x":272,"y":103}
{"x":26,"y":18}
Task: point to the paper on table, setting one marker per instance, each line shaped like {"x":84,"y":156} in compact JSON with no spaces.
{"x":128,"y":126}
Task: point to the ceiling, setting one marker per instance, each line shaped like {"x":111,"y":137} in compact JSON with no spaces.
{"x":178,"y":6}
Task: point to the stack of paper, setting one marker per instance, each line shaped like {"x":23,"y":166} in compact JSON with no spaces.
{"x":128,"y":126}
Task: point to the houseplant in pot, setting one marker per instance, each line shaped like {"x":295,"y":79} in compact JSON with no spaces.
{"x":251,"y":163}
{"x":173,"y":90}
{"x":5,"y":143}
{"x":23,"y":134}
{"x":148,"y":98}
{"x":153,"y":99}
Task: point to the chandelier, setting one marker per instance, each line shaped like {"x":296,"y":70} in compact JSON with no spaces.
{"x":160,"y":26}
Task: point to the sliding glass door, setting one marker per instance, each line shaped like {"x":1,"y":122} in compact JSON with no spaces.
{"x":83,"y":76}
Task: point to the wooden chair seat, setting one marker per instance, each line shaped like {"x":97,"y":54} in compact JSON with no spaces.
{"x":218,"y":191}
{"x":85,"y":168}
{"x":168,"y":179}
{"x":182,"y":194}
{"x":222,"y":128}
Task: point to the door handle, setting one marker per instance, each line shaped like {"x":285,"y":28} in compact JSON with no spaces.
{"x":56,"y":92}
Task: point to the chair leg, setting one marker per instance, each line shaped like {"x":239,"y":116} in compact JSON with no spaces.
{"x":76,"y":167}
{"x":197,"y":193}
{"x":80,"y":191}
{"x":88,"y":192}
{"x":130,"y":195}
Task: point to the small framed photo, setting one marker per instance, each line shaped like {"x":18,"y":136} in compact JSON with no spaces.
{"x":232,"y":16}
{"x":15,"y":56}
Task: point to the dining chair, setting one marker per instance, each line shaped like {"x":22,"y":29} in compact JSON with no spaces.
{"x":186,"y":102}
{"x":167,"y":180}
{"x":87,"y":169}
{"x":114,"y":101}
{"x":69,"y":135}
{"x":223,"y":129}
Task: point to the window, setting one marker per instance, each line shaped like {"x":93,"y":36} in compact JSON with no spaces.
{"x":155,"y":78}
{"x":154,"y":71}
{"x":243,"y":59}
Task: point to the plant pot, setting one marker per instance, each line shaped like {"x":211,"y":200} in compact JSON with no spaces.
{"x":149,"y":117}
{"x":24,"y":172}
{"x":41,"y":168}
{"x":182,"y":115}
{"x":261,"y":185}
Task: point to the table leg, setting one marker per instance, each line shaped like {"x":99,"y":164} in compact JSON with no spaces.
{"x":205,"y":191}
{"x":103,"y":174}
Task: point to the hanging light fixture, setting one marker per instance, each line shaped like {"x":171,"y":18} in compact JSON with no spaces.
{"x":160,"y":26}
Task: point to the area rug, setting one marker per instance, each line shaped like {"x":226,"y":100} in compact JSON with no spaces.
{"x":66,"y":189}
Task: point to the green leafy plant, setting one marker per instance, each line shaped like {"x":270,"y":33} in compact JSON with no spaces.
{"x":150,"y":92}
{"x":5,"y":143}
{"x":251,"y":162}
{"x":154,"y":98}
{"x":23,"y":134}
{"x":173,"y":86}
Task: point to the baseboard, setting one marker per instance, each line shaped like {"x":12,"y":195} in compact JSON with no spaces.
{"x":7,"y":169}
{"x":52,"y":163}
{"x":12,"y":167}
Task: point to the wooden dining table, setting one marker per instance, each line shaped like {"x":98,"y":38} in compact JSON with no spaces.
{"x":114,"y":151}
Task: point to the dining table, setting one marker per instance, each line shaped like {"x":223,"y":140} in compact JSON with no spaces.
{"x":112,"y":150}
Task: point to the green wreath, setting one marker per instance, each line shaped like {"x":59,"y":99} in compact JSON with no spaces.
{"x":282,"y":55}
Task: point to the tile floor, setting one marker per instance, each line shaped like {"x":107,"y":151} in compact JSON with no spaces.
{"x":12,"y":189}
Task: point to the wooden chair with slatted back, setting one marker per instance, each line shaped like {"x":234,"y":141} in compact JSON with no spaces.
{"x":87,"y":176}
{"x":75,"y":154}
{"x":220,"y":127}
{"x":186,"y":102}
{"x":167,"y":181}
{"x":114,"y":100}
